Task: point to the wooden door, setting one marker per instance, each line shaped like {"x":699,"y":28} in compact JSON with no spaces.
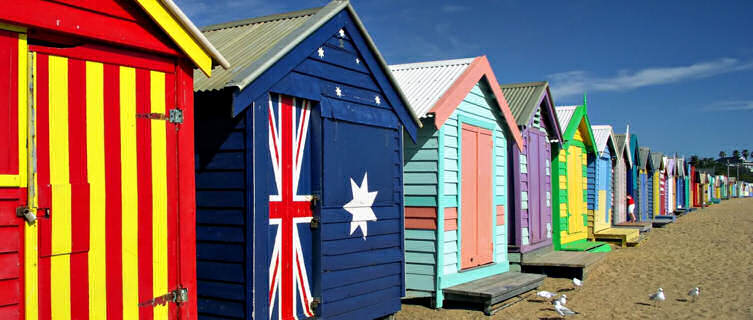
{"x":535,"y":172}
{"x":477,"y":195}
{"x":108,"y":184}
{"x":575,"y":202}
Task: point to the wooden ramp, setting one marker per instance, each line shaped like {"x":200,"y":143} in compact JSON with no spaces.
{"x":663,"y":220}
{"x":623,"y":237}
{"x":642,"y":226}
{"x":560,"y":264}
{"x":491,"y":291}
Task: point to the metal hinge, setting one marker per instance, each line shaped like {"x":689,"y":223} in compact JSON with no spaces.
{"x":314,"y":305}
{"x":173,"y":116}
{"x":176,"y":296}
{"x":315,"y":221}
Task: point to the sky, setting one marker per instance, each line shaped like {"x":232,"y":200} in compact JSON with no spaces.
{"x":679,"y":73}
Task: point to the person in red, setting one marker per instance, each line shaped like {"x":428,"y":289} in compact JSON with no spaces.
{"x":631,"y":207}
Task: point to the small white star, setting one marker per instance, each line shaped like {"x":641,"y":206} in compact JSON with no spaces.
{"x":342,"y":33}
{"x":321,"y":52}
{"x":377,"y":100}
{"x":338,"y":92}
{"x":360,"y":206}
{"x":358,"y":61}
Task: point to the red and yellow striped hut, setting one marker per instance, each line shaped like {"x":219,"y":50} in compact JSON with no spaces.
{"x":96,"y":169}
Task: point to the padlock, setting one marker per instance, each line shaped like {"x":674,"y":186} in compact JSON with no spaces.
{"x":27,"y":214}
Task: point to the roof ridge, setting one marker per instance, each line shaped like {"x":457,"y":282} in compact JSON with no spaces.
{"x":268,"y":18}
{"x":432,"y":64}
{"x":524,"y":84}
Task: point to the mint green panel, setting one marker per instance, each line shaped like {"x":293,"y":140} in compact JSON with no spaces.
{"x":420,"y":260}
{"x":421,"y":168}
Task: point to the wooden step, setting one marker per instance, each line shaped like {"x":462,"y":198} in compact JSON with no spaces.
{"x":492,"y":290}
{"x":561,"y":264}
{"x":622,"y":236}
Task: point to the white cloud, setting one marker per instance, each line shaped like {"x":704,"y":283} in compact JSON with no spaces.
{"x":731,"y":105}
{"x":451,"y":8}
{"x":570,"y":83}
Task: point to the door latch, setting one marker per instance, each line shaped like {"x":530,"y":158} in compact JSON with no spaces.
{"x":27,"y":214}
{"x":176,"y":296}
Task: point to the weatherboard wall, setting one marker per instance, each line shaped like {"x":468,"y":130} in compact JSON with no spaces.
{"x":354,"y":131}
{"x":433,"y":188}
{"x":600,"y":205}
{"x":570,"y":217}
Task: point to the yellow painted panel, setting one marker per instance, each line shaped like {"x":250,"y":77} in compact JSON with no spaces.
{"x":578,"y":135}
{"x":576,"y":205}
{"x":95,"y":163}
{"x":159,"y":193}
{"x":19,"y":180}
{"x":129,"y":190}
{"x":600,"y":222}
{"x":60,"y":180}
{"x":179,"y":34}
{"x":31,"y":232}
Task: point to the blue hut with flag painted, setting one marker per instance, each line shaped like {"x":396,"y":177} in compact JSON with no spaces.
{"x":299,"y":171}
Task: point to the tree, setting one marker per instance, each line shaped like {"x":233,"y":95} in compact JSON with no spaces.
{"x":694,"y":160}
{"x":722,"y":154}
{"x":745,"y":154}
{"x":736,"y":153}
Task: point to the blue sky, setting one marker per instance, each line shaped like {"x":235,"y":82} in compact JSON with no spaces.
{"x":679,"y":72}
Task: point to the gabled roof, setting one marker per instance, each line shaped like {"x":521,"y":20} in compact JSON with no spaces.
{"x":643,"y":155}
{"x":570,"y":118}
{"x":680,"y":164}
{"x":254,"y":45}
{"x":438,"y":87}
{"x":525,"y":98}
{"x":603,"y":135}
{"x":623,"y":147}
{"x":184,"y":33}
{"x":656,"y":160}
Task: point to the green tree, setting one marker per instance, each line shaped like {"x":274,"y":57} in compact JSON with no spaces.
{"x":736,"y":153}
{"x":746,"y":153}
{"x":722,"y":154}
{"x":694,"y":160}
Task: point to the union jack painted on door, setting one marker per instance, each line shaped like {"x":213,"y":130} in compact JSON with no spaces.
{"x":290,"y":210}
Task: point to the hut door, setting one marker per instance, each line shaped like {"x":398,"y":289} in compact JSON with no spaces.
{"x":537,"y":154}
{"x":477,"y":196}
{"x":108,"y":182}
{"x":13,"y":128}
{"x":575,"y":208}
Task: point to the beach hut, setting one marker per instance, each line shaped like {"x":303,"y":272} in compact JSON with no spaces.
{"x":658,"y":183}
{"x":96,"y":174}
{"x":669,"y":185}
{"x":623,"y":162}
{"x":300,"y":171}
{"x":530,"y":221}
{"x":634,"y":184}
{"x":570,"y":216}
{"x":457,"y":178}
{"x":680,"y":184}
{"x":644,"y":189}
{"x":601,"y":189}
{"x":688,"y":185}
{"x":695,"y":187}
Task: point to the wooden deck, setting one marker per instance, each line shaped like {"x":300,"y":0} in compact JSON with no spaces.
{"x":663,"y":220}
{"x":624,"y":237}
{"x":560,"y":264}
{"x":642,"y":226}
{"x":491,"y":291}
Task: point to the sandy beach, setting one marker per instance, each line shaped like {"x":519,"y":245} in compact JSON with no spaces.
{"x":710,"y":248}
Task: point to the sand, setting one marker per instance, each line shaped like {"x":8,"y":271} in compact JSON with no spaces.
{"x":710,"y":248}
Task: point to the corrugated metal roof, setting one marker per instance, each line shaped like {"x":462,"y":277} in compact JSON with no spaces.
{"x":425,"y":82}
{"x":620,"y":141}
{"x":681,"y":167}
{"x":601,"y":135}
{"x":244,"y":42}
{"x":656,"y":160}
{"x":643,"y":153}
{"x":564,"y":113}
{"x":523,"y":99}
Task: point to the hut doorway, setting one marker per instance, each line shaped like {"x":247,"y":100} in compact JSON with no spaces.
{"x":476,"y":196}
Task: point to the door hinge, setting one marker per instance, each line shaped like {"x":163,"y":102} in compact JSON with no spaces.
{"x":26,"y":213}
{"x":314,"y":305}
{"x":176,"y":296}
{"x":315,"y":221}
{"x":173,"y":116}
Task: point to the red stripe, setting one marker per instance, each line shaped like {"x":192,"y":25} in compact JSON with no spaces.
{"x":79,"y":189}
{"x":9,"y":92}
{"x":172,"y":195}
{"x":301,"y":284}
{"x":43,"y":177}
{"x":113,"y":204}
{"x":144,"y":167}
{"x":274,"y":280}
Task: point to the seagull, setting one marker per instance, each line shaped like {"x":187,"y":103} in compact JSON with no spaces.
{"x":546,"y":295}
{"x":695,"y":293}
{"x":562,"y":299}
{"x":577,"y":282}
{"x":658,"y":296}
{"x":562,"y":310}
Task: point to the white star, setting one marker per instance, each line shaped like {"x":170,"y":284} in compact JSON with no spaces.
{"x":358,"y":61}
{"x":338,"y":92}
{"x":377,"y":100}
{"x":360,"y":206}
{"x":321,"y":52}
{"x":342,"y":33}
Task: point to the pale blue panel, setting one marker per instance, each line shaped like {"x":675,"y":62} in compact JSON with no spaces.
{"x":420,"y":234}
{"x":451,"y":235}
{"x":425,"y":190}
{"x":414,"y":268}
{"x":420,"y":178}
{"x":427,"y":246}
{"x":450,"y":176}
{"x":420,"y":257}
{"x":420,"y":166}
{"x":420,"y":282}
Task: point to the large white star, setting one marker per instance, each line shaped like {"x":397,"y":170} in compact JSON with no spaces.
{"x":360,"y":206}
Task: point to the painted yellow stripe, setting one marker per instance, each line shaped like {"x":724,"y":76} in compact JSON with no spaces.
{"x":129,"y":189}
{"x":31,"y":255}
{"x":95,"y":167}
{"x":23,"y":68}
{"x":60,"y":266}
{"x":159,"y":193}
{"x":178,"y":33}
